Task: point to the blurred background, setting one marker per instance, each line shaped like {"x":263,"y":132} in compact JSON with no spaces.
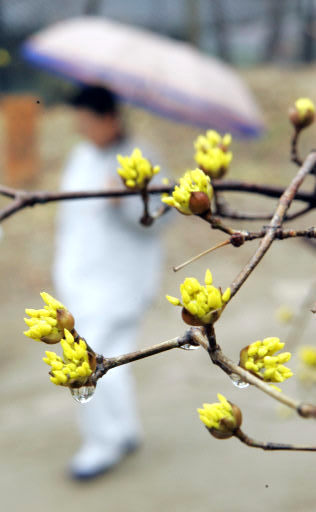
{"x":180,"y":468}
{"x":243,"y":32}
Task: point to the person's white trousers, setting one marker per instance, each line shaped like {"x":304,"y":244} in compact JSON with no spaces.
{"x":110,"y":418}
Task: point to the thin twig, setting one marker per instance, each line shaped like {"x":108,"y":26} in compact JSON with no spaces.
{"x":299,"y":213}
{"x":10,"y":209}
{"x":28,"y":199}
{"x":271,"y":446}
{"x":283,"y":234}
{"x":248,"y":236}
{"x":105,"y":364}
{"x":294,"y":150}
{"x":216,"y":223}
{"x":198,"y":256}
{"x":264,"y":190}
{"x":229,"y":213}
{"x":8,"y":191}
{"x":229,"y":367}
{"x":276,"y":222}
{"x":146,"y":219}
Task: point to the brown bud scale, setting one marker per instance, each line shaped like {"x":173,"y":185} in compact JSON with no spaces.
{"x":199,"y":203}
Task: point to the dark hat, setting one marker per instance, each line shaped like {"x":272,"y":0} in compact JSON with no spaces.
{"x":98,"y":99}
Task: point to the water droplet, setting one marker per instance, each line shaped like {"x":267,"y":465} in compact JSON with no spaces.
{"x":188,"y":346}
{"x":237,"y":381}
{"x":84,"y":394}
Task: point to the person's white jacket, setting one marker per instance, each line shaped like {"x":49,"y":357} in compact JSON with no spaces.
{"x":106,"y":272}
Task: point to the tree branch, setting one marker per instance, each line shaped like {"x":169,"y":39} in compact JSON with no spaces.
{"x":271,"y":446}
{"x":28,"y":199}
{"x":105,"y":364}
{"x":10,"y":209}
{"x":229,"y":213}
{"x":294,"y":149}
{"x":229,"y":367}
{"x":264,"y":190}
{"x":276,"y":222}
{"x":246,"y":236}
{"x":195,"y":336}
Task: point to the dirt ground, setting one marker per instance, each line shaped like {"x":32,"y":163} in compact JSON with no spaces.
{"x":179,"y":467}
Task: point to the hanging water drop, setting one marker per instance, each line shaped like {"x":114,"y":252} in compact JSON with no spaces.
{"x":237,"y":381}
{"x":84,"y":394}
{"x":188,"y":346}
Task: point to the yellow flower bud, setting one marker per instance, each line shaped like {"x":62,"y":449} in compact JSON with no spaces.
{"x":48,"y":324}
{"x":212,"y":155}
{"x":303,"y":113}
{"x":193,"y":195}
{"x":201,"y":305}
{"x":136,"y":171}
{"x":259,"y":359}
{"x":222,"y":418}
{"x":74,"y":369}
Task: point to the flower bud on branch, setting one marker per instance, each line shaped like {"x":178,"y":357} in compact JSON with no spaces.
{"x":302,"y":114}
{"x":48,"y":324}
{"x":222,"y":419}
{"x":259,"y":358}
{"x":193,"y":195}
{"x":212,"y":155}
{"x":136,"y":171}
{"x":76,"y":366}
{"x":202,"y":305}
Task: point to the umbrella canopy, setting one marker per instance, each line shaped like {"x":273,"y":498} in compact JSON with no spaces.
{"x":169,"y":77}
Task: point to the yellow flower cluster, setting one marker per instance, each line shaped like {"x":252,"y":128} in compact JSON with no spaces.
{"x":185,"y":195}
{"x":221,"y":418}
{"x":259,"y":358}
{"x":308,"y":356}
{"x":136,"y":171}
{"x":304,"y":107}
{"x":212,"y":153}
{"x":302,"y":114}
{"x":52,"y":325}
{"x":74,"y":368}
{"x":48,"y":324}
{"x":202,"y":302}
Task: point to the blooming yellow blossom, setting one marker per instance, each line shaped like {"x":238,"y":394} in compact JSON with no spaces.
{"x":259,"y":358}
{"x":212,"y":153}
{"x":194,"y":189}
{"x":307,"y":355}
{"x":221,"y":418}
{"x":304,"y":107}
{"x":48,"y":324}
{"x":203,"y":303}
{"x":136,"y":171}
{"x":302,"y":114}
{"x":74,"y":368}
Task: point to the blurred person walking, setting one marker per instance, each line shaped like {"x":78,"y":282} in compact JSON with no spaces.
{"x":106,"y":270}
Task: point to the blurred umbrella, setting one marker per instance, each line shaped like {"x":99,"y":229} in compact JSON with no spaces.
{"x":166,"y":76}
